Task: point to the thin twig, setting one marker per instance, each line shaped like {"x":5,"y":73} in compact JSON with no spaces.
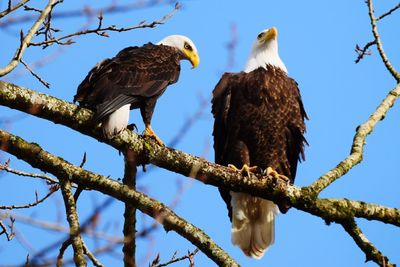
{"x":56,"y":227}
{"x":53,"y":189}
{"x":102,"y":30}
{"x":371,"y":252}
{"x":379,"y":44}
{"x":10,"y":234}
{"x":26,"y":40}
{"x":35,"y":74}
{"x":188,"y":256}
{"x":28,"y":174}
{"x":364,"y":51}
{"x":12,"y":8}
{"x":86,"y":11}
{"x":91,"y":256}
{"x":389,"y":12}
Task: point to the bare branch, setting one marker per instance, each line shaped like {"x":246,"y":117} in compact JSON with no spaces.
{"x":35,"y":74}
{"x":41,"y":159}
{"x":357,"y":148}
{"x":129,"y":248}
{"x":85,"y":11}
{"x":188,"y":256}
{"x":6,"y":168}
{"x":102,"y":31}
{"x":371,"y":252}
{"x":72,"y":217}
{"x":26,"y":40}
{"x":363,"y":51}
{"x":379,"y":44}
{"x":10,"y":235}
{"x":12,"y":8}
{"x":77,"y":118}
{"x":52,"y":190}
{"x":91,"y":256}
{"x":389,"y":12}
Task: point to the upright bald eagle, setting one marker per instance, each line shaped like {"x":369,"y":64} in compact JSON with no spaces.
{"x":259,"y":123}
{"x":135,"y":78}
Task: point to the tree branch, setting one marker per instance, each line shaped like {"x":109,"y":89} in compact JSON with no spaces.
{"x":10,"y":234}
{"x":29,"y":205}
{"x":371,"y":252}
{"x":38,"y":158}
{"x":129,"y":248}
{"x":86,"y":11}
{"x":357,"y":149}
{"x":102,"y":30}
{"x":58,"y":111}
{"x":11,"y":9}
{"x":189,"y":256}
{"x":91,"y":256}
{"x":72,"y":217}
{"x":26,"y":40}
{"x":48,"y":179}
{"x":34,"y":74}
{"x":379,"y":45}
{"x":389,"y":12}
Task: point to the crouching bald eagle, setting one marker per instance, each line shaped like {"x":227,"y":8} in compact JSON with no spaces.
{"x":135,"y":78}
{"x":259,"y":121}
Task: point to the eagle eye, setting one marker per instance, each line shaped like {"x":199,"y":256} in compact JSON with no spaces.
{"x":259,"y":36}
{"x":188,"y":47}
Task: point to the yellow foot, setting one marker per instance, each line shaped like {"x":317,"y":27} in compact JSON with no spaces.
{"x":245,"y":169}
{"x":149,"y":132}
{"x":275,"y":174}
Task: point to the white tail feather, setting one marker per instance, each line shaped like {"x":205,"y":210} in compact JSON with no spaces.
{"x":117,"y":121}
{"x":253,"y":224}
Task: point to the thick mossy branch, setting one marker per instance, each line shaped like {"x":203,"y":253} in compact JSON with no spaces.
{"x":38,"y":158}
{"x":77,"y":118}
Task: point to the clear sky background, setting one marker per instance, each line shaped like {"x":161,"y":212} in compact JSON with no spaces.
{"x":316,"y":42}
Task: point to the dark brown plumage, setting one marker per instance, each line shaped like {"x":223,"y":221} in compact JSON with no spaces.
{"x":259,"y":121}
{"x":135,"y":76}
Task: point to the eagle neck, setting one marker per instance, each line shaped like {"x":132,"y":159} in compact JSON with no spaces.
{"x":261,"y":56}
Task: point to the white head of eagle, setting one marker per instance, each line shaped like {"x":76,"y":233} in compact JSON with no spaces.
{"x":135,"y":78}
{"x":265,"y":51}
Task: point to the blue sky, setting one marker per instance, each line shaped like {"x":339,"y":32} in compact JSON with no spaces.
{"x":316,"y":42}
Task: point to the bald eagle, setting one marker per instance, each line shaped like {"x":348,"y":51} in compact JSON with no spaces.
{"x":259,"y":124}
{"x":135,"y":78}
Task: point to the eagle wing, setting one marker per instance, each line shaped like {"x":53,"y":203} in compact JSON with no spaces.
{"x":220,"y":109}
{"x":221,"y":103}
{"x":133,"y":75}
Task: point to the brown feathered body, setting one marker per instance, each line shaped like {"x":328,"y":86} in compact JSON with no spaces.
{"x":136,"y":76}
{"x":259,"y":121}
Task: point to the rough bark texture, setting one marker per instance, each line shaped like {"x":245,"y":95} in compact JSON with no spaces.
{"x":38,"y":158}
{"x":331,"y":210}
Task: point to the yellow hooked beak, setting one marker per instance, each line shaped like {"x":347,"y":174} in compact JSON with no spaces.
{"x":268,"y":35}
{"x":193,"y":57}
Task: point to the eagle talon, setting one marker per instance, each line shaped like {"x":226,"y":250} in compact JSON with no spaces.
{"x":132,"y":127}
{"x":245,"y":169}
{"x":150,"y":133}
{"x":271,"y":172}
